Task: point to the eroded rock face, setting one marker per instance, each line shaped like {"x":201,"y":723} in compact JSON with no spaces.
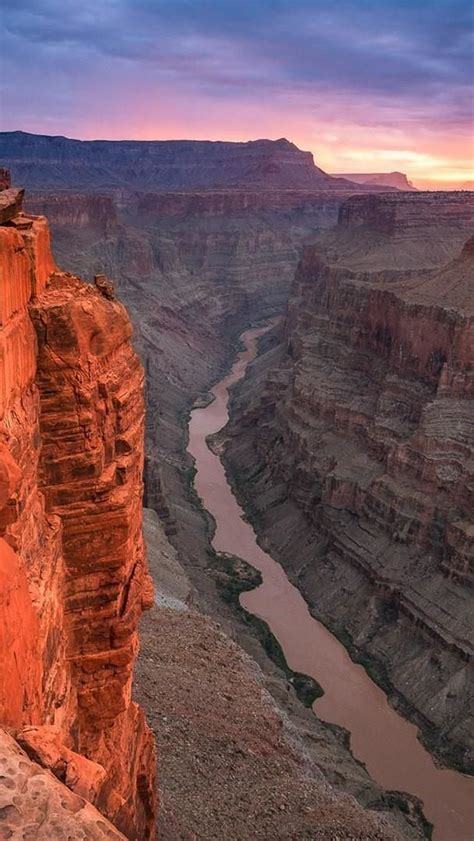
{"x":354,"y":440}
{"x":73,"y":578}
{"x":10,"y":203}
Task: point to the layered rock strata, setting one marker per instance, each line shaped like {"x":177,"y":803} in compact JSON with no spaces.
{"x":194,"y":269}
{"x":72,"y":565}
{"x":353,"y":441}
{"x":407,"y":218}
{"x":55,"y":163}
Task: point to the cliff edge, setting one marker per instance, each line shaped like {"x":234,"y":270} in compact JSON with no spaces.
{"x":73,"y":575}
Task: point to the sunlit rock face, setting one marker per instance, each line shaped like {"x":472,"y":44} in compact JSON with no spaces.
{"x":354,"y":440}
{"x":73,"y":578}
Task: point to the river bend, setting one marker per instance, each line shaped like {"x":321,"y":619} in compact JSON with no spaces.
{"x":380,"y":737}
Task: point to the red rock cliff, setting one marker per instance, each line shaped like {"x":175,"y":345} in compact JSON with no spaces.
{"x":73,"y":576}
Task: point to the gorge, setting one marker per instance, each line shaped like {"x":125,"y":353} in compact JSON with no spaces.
{"x":387,"y":745}
{"x":348,"y":447}
{"x":378,"y":409}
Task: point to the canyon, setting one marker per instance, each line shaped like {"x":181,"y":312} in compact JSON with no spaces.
{"x":386,"y":743}
{"x":352,"y":442}
{"x":382,"y":179}
{"x":355,"y":411}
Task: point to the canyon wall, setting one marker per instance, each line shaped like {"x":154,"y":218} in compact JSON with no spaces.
{"x":73,"y":570}
{"x":352,"y":443}
{"x":194,"y":268}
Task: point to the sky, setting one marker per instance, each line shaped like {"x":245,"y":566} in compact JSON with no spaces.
{"x":366,"y":85}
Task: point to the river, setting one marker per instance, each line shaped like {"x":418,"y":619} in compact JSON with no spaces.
{"x":380,"y":737}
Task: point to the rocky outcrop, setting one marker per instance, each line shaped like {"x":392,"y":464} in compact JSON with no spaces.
{"x":382,"y":179}
{"x":72,"y":567}
{"x":416,"y":231}
{"x":34,"y":804}
{"x":353,"y":441}
{"x":44,"y":162}
{"x":11,"y":202}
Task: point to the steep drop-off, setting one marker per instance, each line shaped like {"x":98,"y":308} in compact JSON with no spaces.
{"x":352,"y":443}
{"x":73,"y":571}
{"x":194,"y":269}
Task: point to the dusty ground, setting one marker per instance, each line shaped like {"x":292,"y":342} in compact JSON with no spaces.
{"x":232,"y":764}
{"x":227,"y":769}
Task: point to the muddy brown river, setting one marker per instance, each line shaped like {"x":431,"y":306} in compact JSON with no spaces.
{"x":380,"y":737}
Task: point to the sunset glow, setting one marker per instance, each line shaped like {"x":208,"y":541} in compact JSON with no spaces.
{"x":366,"y":87}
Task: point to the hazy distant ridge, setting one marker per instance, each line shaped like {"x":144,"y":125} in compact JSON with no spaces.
{"x":44,"y":162}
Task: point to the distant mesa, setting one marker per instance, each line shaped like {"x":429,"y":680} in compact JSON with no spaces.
{"x":42,"y":162}
{"x":397,"y":180}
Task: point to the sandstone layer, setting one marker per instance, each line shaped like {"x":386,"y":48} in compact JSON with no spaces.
{"x":72,"y":564}
{"x":352,"y":441}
